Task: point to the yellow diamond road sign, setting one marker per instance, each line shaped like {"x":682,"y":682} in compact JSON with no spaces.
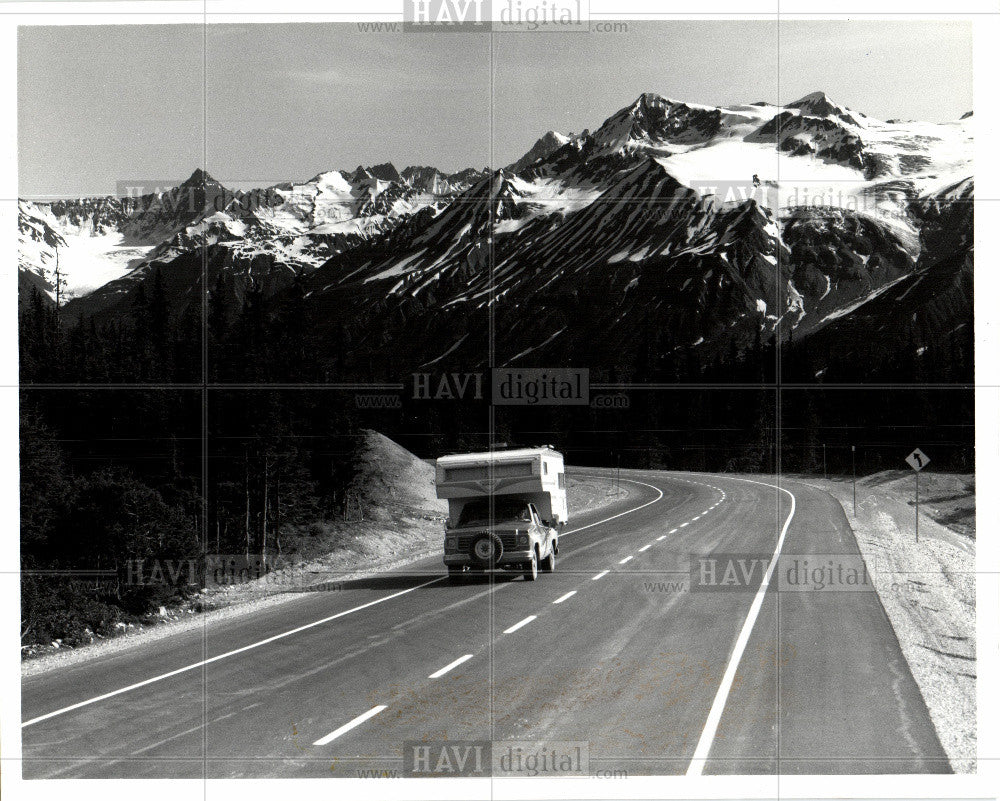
{"x":917,"y":460}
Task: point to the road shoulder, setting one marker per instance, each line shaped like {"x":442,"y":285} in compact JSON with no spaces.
{"x":928,"y":591}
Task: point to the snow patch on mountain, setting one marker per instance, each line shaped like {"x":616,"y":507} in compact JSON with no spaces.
{"x":87,"y":257}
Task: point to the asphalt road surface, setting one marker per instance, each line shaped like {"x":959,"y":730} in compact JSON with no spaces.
{"x":616,"y":649}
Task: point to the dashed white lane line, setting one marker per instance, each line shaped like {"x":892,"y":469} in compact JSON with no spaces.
{"x":450,"y":666}
{"x":282,"y":635}
{"x":696,"y":517}
{"x":683,"y":524}
{"x":348,"y":726}
{"x":646,"y":547}
{"x":704,"y":746}
{"x":661,"y":538}
{"x":210,"y":660}
{"x":672,"y":531}
{"x":466,"y":657}
{"x":196,"y":665}
{"x":521,"y":624}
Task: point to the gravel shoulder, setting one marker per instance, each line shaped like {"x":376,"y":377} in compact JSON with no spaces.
{"x":928,"y":589}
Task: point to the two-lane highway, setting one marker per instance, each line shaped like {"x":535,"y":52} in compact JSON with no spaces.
{"x":616,"y":649}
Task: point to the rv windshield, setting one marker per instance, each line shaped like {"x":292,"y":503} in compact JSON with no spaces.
{"x":505,"y":510}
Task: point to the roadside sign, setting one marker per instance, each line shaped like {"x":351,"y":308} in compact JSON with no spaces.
{"x":917,"y":460}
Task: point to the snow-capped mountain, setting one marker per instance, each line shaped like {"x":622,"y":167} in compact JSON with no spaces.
{"x":671,"y":228}
{"x":101,"y":239}
{"x":547,"y":144}
{"x":85,"y":238}
{"x":672,"y":233}
{"x":108,"y":244}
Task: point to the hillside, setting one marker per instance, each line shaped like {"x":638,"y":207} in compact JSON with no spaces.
{"x":390,"y":512}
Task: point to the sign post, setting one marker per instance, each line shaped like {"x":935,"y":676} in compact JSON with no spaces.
{"x":918,"y":461}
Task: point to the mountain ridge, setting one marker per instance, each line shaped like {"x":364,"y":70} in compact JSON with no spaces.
{"x":681,"y":224}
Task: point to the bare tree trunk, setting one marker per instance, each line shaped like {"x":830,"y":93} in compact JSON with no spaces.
{"x":263,"y":538}
{"x":277,"y":518}
{"x":246,"y":484}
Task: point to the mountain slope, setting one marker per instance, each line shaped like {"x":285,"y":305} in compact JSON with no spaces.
{"x":673,"y":236}
{"x":611,"y":246}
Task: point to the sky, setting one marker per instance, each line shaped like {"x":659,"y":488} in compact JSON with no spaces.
{"x":260,"y":104}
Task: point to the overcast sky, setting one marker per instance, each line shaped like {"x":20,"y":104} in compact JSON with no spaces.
{"x":267,"y":103}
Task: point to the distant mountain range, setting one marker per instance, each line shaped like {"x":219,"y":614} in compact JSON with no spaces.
{"x":671,"y":231}
{"x":107,"y":245}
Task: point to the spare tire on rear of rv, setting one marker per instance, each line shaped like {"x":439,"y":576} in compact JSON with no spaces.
{"x":487,"y":550}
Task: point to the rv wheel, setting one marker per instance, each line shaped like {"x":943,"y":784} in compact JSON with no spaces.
{"x":549,"y":562}
{"x":531,"y":568}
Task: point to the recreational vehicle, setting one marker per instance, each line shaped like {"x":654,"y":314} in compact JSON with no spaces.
{"x":505,"y":509}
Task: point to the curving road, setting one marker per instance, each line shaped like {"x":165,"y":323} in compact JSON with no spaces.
{"x":616,"y":649}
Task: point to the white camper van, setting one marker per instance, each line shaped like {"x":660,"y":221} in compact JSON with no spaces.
{"x":505,"y":509}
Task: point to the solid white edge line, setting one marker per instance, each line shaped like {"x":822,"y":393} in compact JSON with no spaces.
{"x":626,"y":559}
{"x":600,"y":575}
{"x":566,"y":597}
{"x":450,"y":666}
{"x":520,"y":624}
{"x":204,"y":662}
{"x":646,"y":547}
{"x":621,"y":514}
{"x":701,"y":751}
{"x":350,"y":725}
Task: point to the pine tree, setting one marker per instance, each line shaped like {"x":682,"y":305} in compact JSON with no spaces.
{"x":160,"y":333}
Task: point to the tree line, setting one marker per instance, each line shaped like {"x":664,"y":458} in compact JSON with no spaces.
{"x":179,"y":465}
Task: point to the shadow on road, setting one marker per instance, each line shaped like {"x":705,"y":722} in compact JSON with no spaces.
{"x":404,"y":581}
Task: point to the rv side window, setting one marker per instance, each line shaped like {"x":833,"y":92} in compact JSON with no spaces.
{"x":545,"y":468}
{"x":562,"y":481}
